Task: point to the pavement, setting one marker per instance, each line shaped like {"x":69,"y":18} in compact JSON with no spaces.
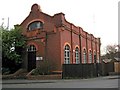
{"x":98,"y":82}
{"x":25,"y":81}
{"x":110,"y":77}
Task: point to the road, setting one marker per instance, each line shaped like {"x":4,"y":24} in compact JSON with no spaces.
{"x":101,"y":82}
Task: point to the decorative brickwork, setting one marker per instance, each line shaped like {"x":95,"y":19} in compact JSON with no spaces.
{"x":55,"y":33}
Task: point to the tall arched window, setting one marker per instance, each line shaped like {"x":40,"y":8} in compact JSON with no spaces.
{"x":77,"y":56}
{"x":95,"y":57}
{"x":98,"y":58}
{"x":90,"y":56}
{"x":84,"y":56}
{"x":67,"y":55}
{"x":35,"y":25}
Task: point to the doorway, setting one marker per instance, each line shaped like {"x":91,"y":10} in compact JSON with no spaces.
{"x":31,"y":57}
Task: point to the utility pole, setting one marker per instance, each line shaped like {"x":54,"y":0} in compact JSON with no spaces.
{"x":8,"y":23}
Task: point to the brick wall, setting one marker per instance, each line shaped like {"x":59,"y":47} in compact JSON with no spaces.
{"x":55,"y":34}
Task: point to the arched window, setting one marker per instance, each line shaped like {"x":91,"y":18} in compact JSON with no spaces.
{"x":35,"y":25}
{"x":98,"y":58}
{"x":31,"y":48}
{"x":95,"y":57}
{"x":84,"y":56}
{"x":77,"y":56}
{"x":67,"y":55}
{"x":90,"y":56}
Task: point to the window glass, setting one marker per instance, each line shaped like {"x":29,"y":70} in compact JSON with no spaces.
{"x":67,"y":55}
{"x":84,"y":56}
{"x":98,"y":58}
{"x":35,"y":25}
{"x":90,"y":56}
{"x":77,"y":55}
{"x":95,"y":57}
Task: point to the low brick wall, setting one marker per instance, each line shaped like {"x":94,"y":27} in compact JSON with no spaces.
{"x":44,"y":77}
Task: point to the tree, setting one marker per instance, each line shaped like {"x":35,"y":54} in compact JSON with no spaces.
{"x":112,"y":51}
{"x":13,"y":43}
{"x":0,"y":49}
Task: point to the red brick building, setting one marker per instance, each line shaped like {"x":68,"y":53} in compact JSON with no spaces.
{"x":54,"y":39}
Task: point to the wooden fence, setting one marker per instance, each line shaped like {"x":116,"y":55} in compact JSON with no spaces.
{"x":108,"y":68}
{"x":81,"y":70}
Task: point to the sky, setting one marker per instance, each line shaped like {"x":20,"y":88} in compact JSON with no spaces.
{"x":99,"y":17}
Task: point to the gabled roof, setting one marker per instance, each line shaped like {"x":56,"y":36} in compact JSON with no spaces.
{"x":117,"y":58}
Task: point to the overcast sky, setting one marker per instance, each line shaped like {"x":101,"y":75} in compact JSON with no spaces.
{"x":99,"y":17}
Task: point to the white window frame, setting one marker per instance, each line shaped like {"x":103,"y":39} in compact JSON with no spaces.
{"x":31,"y":48}
{"x":84,"y":56}
{"x":77,"y":61}
{"x":98,"y":58}
{"x":38,"y":25}
{"x":67,"y":54}
{"x":90,"y":56}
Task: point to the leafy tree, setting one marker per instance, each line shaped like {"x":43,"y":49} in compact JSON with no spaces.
{"x":0,"y":49}
{"x":13,"y":43}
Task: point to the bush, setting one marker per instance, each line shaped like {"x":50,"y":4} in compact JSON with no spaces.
{"x":5,"y":71}
{"x":42,"y":70}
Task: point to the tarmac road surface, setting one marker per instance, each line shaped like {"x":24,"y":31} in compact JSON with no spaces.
{"x":101,"y":82}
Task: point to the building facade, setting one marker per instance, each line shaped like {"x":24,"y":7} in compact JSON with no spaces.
{"x":54,"y":39}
